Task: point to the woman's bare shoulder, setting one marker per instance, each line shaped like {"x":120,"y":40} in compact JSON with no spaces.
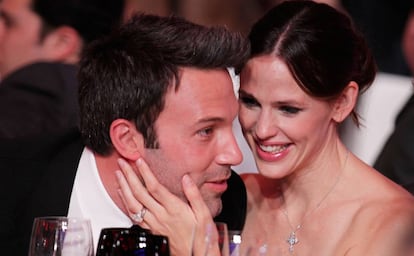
{"x":367,"y":184}
{"x":382,"y":201}
{"x":380,"y":214}
{"x":383,"y":227}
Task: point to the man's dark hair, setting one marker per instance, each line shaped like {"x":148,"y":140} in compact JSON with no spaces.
{"x":127,"y":74}
{"x":91,"y":18}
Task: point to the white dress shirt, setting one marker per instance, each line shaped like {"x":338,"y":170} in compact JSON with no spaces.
{"x":90,"y":200}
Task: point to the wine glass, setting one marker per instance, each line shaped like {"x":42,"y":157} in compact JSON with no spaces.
{"x":61,"y":236}
{"x":234,"y":242}
{"x":131,"y":241}
{"x":223,"y":238}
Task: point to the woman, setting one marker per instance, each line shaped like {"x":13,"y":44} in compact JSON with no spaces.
{"x":312,"y":197}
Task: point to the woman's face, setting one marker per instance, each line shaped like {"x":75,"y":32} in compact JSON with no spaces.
{"x":285,"y":128}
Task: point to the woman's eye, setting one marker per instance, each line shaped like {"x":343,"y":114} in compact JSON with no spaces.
{"x":289,"y":109}
{"x":248,"y":101}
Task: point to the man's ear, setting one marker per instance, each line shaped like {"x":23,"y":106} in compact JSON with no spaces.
{"x":63,"y":44}
{"x":127,"y":141}
{"x":345,"y":103}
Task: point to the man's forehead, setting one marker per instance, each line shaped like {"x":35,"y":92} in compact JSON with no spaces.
{"x":204,"y":82}
{"x":201,"y":88}
{"x":184,"y":71}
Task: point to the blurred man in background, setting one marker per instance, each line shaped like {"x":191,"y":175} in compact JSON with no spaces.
{"x":396,"y":159}
{"x":40,"y":44}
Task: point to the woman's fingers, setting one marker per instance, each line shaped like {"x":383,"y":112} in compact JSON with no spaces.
{"x":189,"y":227}
{"x":132,"y":212}
{"x":160,"y":193}
{"x":196,"y":201}
{"x":131,"y":204}
{"x":177,"y":221}
{"x":137,"y":187}
{"x":166,"y":213}
{"x":135,"y":197}
{"x":205,"y":237}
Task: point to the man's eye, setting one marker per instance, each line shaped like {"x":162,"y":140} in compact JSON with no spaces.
{"x":248,"y":101}
{"x":5,"y":19}
{"x":289,"y":109}
{"x":205,"y":132}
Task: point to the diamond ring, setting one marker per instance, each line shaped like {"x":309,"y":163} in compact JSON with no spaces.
{"x":139,"y":216}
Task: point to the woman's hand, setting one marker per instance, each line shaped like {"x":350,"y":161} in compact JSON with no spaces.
{"x":189,"y":227}
{"x":205,"y":240}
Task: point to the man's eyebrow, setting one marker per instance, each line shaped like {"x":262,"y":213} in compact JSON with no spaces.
{"x":210,"y":120}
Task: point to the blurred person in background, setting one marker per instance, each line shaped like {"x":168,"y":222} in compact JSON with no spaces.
{"x":156,"y":7}
{"x":382,"y":23}
{"x":236,"y":15}
{"x":41,"y":42}
{"x":396,"y":159}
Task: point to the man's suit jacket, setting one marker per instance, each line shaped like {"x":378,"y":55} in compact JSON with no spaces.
{"x":396,"y":159}
{"x":38,"y":176}
{"x":40,"y":97}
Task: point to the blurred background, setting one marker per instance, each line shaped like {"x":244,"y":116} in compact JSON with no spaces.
{"x":382,"y":21}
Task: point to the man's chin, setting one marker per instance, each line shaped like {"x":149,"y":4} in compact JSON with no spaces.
{"x":215,"y":207}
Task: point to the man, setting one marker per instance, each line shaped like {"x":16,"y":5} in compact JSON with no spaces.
{"x":40,"y":44}
{"x":396,"y":159}
{"x":157,"y":89}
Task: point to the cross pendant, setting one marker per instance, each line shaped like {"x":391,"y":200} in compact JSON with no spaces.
{"x":292,"y":240}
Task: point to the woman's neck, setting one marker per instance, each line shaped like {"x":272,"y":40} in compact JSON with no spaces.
{"x":309,"y":188}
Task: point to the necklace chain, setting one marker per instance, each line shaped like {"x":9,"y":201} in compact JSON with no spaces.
{"x":292,"y":239}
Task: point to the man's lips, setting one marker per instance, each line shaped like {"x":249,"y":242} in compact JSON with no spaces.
{"x":218,"y":186}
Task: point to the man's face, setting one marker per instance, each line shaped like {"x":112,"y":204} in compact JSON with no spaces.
{"x":20,"y":42}
{"x":407,"y":42}
{"x":195,"y":136}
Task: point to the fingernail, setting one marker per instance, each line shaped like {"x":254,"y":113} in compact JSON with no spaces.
{"x":121,"y":162}
{"x":118,"y":174}
{"x":139,"y":161}
{"x":187,"y":180}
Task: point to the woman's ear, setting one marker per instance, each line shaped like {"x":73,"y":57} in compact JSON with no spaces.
{"x":127,"y":141}
{"x":346,"y":102}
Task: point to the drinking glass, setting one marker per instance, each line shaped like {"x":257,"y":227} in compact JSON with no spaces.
{"x":234,"y":242}
{"x":131,"y":241}
{"x":61,"y":236}
{"x":223,"y":238}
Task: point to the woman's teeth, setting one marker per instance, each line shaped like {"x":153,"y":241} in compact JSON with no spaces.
{"x":273,"y":149}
